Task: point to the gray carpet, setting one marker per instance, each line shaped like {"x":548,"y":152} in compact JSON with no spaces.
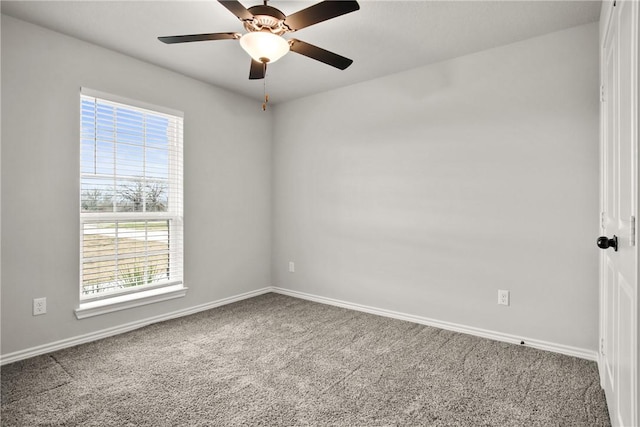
{"x":275,"y":360}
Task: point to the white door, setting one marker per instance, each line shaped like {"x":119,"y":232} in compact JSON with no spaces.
{"x":619,"y":278}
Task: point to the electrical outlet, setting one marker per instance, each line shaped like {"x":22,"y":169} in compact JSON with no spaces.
{"x":503,"y":297}
{"x":39,"y":306}
{"x":292,"y":267}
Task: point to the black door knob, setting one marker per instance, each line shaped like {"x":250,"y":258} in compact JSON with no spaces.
{"x":604,"y":242}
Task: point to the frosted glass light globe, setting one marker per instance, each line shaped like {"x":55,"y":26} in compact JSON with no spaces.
{"x":264,"y":46}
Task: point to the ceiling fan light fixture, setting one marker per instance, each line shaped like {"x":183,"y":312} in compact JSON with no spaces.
{"x":264,"y":46}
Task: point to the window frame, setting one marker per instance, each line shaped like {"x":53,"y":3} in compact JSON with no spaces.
{"x":173,"y":287}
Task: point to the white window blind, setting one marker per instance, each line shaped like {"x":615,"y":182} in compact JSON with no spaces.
{"x":130,"y":197}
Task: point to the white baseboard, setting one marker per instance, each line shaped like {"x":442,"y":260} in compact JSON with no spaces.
{"x":104,"y":333}
{"x":484,"y":333}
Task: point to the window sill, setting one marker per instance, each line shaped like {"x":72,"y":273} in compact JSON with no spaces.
{"x":123,"y":302}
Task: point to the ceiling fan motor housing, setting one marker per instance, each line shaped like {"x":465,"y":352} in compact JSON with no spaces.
{"x":266,"y":18}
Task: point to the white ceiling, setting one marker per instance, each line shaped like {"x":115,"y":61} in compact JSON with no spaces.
{"x":382,"y":38}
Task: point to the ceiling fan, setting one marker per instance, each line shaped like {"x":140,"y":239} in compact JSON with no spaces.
{"x":265,"y":26}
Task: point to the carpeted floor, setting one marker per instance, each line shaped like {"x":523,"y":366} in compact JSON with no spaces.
{"x":275,"y":360}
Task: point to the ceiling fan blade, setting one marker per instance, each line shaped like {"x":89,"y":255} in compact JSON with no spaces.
{"x":257,"y":70}
{"x":319,"y":54}
{"x":235,"y":7}
{"x":199,"y":37}
{"x":320,"y":12}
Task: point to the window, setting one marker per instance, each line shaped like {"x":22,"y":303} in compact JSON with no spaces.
{"x":130,"y":198}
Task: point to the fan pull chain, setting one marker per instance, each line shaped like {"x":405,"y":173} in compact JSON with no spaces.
{"x":264,"y":87}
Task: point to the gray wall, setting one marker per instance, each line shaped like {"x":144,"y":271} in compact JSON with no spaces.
{"x":427,"y":191}
{"x":226,"y":179}
{"x":422,"y":192}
